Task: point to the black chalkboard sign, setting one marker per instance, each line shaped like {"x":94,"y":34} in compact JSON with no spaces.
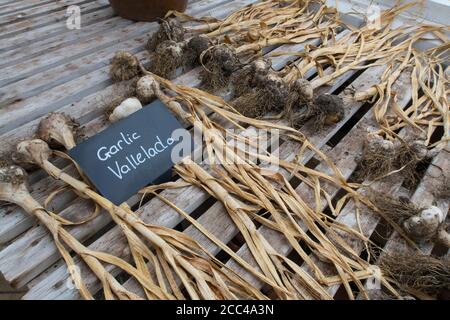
{"x":134,"y":152}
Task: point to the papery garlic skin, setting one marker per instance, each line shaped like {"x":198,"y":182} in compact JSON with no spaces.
{"x":57,"y":127}
{"x":126,"y":108}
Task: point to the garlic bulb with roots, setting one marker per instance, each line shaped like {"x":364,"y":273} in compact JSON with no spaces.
{"x":124,"y":66}
{"x":420,"y":224}
{"x":303,"y":88}
{"x":268,"y":95}
{"x":219,"y":63}
{"x":414,"y":272}
{"x":168,"y":30}
{"x":377,"y":158}
{"x":325,"y":109}
{"x":126,"y":108}
{"x":193,"y":50}
{"x":167,"y":58}
{"x":57,"y":127}
{"x":251,"y":75}
{"x":409,"y":153}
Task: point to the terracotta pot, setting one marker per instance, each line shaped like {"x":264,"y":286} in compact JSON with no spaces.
{"x":146,"y":10}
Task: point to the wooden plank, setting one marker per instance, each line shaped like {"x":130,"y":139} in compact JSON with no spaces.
{"x":38,"y":48}
{"x":91,"y":13}
{"x":16,"y":6}
{"x":68,"y":53}
{"x":39,"y":11}
{"x":6,"y":3}
{"x":45,"y":22}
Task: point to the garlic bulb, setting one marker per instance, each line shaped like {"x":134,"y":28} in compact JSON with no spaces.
{"x":426,"y":224}
{"x":126,"y":108}
{"x":56,"y":129}
{"x":145,"y":88}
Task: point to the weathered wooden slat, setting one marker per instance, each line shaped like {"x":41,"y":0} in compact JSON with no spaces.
{"x":49,"y":34}
{"x":16,"y":6}
{"x":50,"y":44}
{"x":39,"y":11}
{"x":22,"y":70}
{"x":48,"y":21}
{"x":36,"y":87}
{"x":19,"y":55}
{"x":4,"y":3}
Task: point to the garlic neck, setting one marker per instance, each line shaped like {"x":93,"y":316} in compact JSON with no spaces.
{"x":61,"y":175}
{"x":34,"y":208}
